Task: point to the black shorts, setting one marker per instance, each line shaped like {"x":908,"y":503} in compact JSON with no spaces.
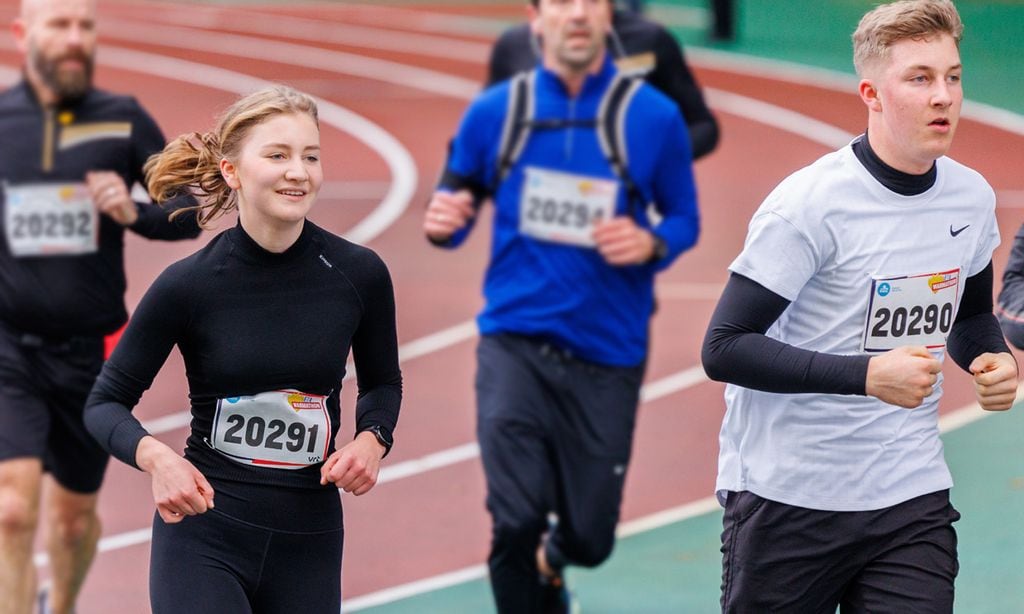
{"x":782,"y":558}
{"x":43,"y":387}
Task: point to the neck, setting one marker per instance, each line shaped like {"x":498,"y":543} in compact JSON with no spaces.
{"x":889,"y":152}
{"x":44,"y":94}
{"x":572,"y":78}
{"x":276,"y":238}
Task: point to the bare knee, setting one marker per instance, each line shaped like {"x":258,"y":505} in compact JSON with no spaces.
{"x":73,"y":526}
{"x":19,"y":513}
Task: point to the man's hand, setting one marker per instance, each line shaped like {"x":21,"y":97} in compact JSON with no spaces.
{"x":448,"y":213}
{"x":995,"y":380}
{"x":111,"y":196}
{"x":621,"y":242}
{"x":354,"y":468}
{"x":179,"y":489}
{"x":903,"y":376}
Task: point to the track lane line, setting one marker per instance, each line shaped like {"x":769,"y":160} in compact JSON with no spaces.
{"x":951,"y":421}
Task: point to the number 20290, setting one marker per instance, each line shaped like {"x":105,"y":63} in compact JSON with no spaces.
{"x":915,"y":321}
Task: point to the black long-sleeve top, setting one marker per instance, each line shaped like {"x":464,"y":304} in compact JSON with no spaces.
{"x":737,"y":350}
{"x":1011,"y":297}
{"x":76,"y":295}
{"x":249,"y":321}
{"x":514,"y":53}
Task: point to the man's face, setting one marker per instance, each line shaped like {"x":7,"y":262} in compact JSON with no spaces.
{"x":919,"y":96}
{"x":573,"y":31}
{"x":58,"y":38}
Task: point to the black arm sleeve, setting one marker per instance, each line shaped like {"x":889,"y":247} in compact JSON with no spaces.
{"x":153,"y":222}
{"x":142,"y":350}
{"x":976,"y":329}
{"x":672,"y":76}
{"x":375,"y":353}
{"x":1011,"y":297}
{"x":736,"y":349}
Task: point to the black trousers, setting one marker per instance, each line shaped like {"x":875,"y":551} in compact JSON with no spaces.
{"x":555,"y":435}
{"x":781,"y":558}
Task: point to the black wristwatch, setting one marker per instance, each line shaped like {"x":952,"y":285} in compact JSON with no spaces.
{"x":660,"y":249}
{"x":383,"y":437}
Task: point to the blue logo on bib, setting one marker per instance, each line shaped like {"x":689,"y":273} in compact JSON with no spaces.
{"x":233,"y":399}
{"x":884,"y":289}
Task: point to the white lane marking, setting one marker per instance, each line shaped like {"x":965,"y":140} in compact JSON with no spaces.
{"x":423,"y":464}
{"x":414,"y":349}
{"x":1010,"y":199}
{"x":778,"y":117}
{"x":729,"y":61}
{"x":827,"y":136}
{"x":947,"y":423}
{"x":320,"y":31}
{"x":9,"y":75}
{"x":689,"y":17}
{"x":438,"y":341}
{"x":400,"y":163}
{"x":437,"y":460}
{"x":801,"y":74}
{"x":688,"y":290}
{"x":279,"y":52}
{"x":404,"y":591}
{"x":354,"y":190}
{"x":446,"y":23}
{"x":652,"y":391}
{"x":398,"y":159}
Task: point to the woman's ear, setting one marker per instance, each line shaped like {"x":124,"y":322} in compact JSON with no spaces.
{"x":230,"y":174}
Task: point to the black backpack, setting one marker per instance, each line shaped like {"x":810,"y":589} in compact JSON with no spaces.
{"x":609,"y":124}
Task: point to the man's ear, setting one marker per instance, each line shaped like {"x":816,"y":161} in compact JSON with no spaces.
{"x":533,"y":17}
{"x":869,"y":94}
{"x":20,"y":33}
{"x":230,"y":174}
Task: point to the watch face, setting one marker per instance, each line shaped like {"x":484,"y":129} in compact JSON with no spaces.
{"x":381,"y":437}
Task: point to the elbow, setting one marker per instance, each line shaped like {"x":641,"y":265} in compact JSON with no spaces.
{"x":712,"y":361}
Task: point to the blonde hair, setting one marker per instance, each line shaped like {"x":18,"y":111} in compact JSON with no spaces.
{"x":890,"y":23}
{"x":191,"y":162}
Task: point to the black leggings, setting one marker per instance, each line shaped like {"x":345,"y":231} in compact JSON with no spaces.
{"x":214,"y":564}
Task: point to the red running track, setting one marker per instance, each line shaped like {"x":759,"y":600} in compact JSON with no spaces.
{"x":433,"y":522}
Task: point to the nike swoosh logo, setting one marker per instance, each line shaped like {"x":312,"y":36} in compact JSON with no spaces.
{"x":954,"y":233}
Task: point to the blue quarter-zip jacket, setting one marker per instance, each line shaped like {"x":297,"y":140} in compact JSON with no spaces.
{"x":565,"y":294}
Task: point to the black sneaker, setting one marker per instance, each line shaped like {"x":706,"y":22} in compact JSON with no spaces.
{"x":556,"y":597}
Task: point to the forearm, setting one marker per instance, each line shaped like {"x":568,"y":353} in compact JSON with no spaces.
{"x":736,"y":349}
{"x":154,"y":220}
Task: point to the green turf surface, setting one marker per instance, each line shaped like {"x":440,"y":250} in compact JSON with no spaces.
{"x":817,"y":33}
{"x":676,"y":568}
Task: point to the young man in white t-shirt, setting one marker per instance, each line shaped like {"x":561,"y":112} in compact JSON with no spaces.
{"x":859,"y":273}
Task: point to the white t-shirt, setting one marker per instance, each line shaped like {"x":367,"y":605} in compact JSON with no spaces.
{"x":837,"y":244}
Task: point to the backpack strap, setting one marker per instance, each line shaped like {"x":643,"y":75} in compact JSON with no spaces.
{"x":611,"y":134}
{"x":518,"y":124}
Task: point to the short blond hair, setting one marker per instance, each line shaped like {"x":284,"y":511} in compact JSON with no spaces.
{"x":888,"y":24}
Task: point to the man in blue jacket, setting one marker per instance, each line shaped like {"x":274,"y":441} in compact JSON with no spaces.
{"x":569,"y":289}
